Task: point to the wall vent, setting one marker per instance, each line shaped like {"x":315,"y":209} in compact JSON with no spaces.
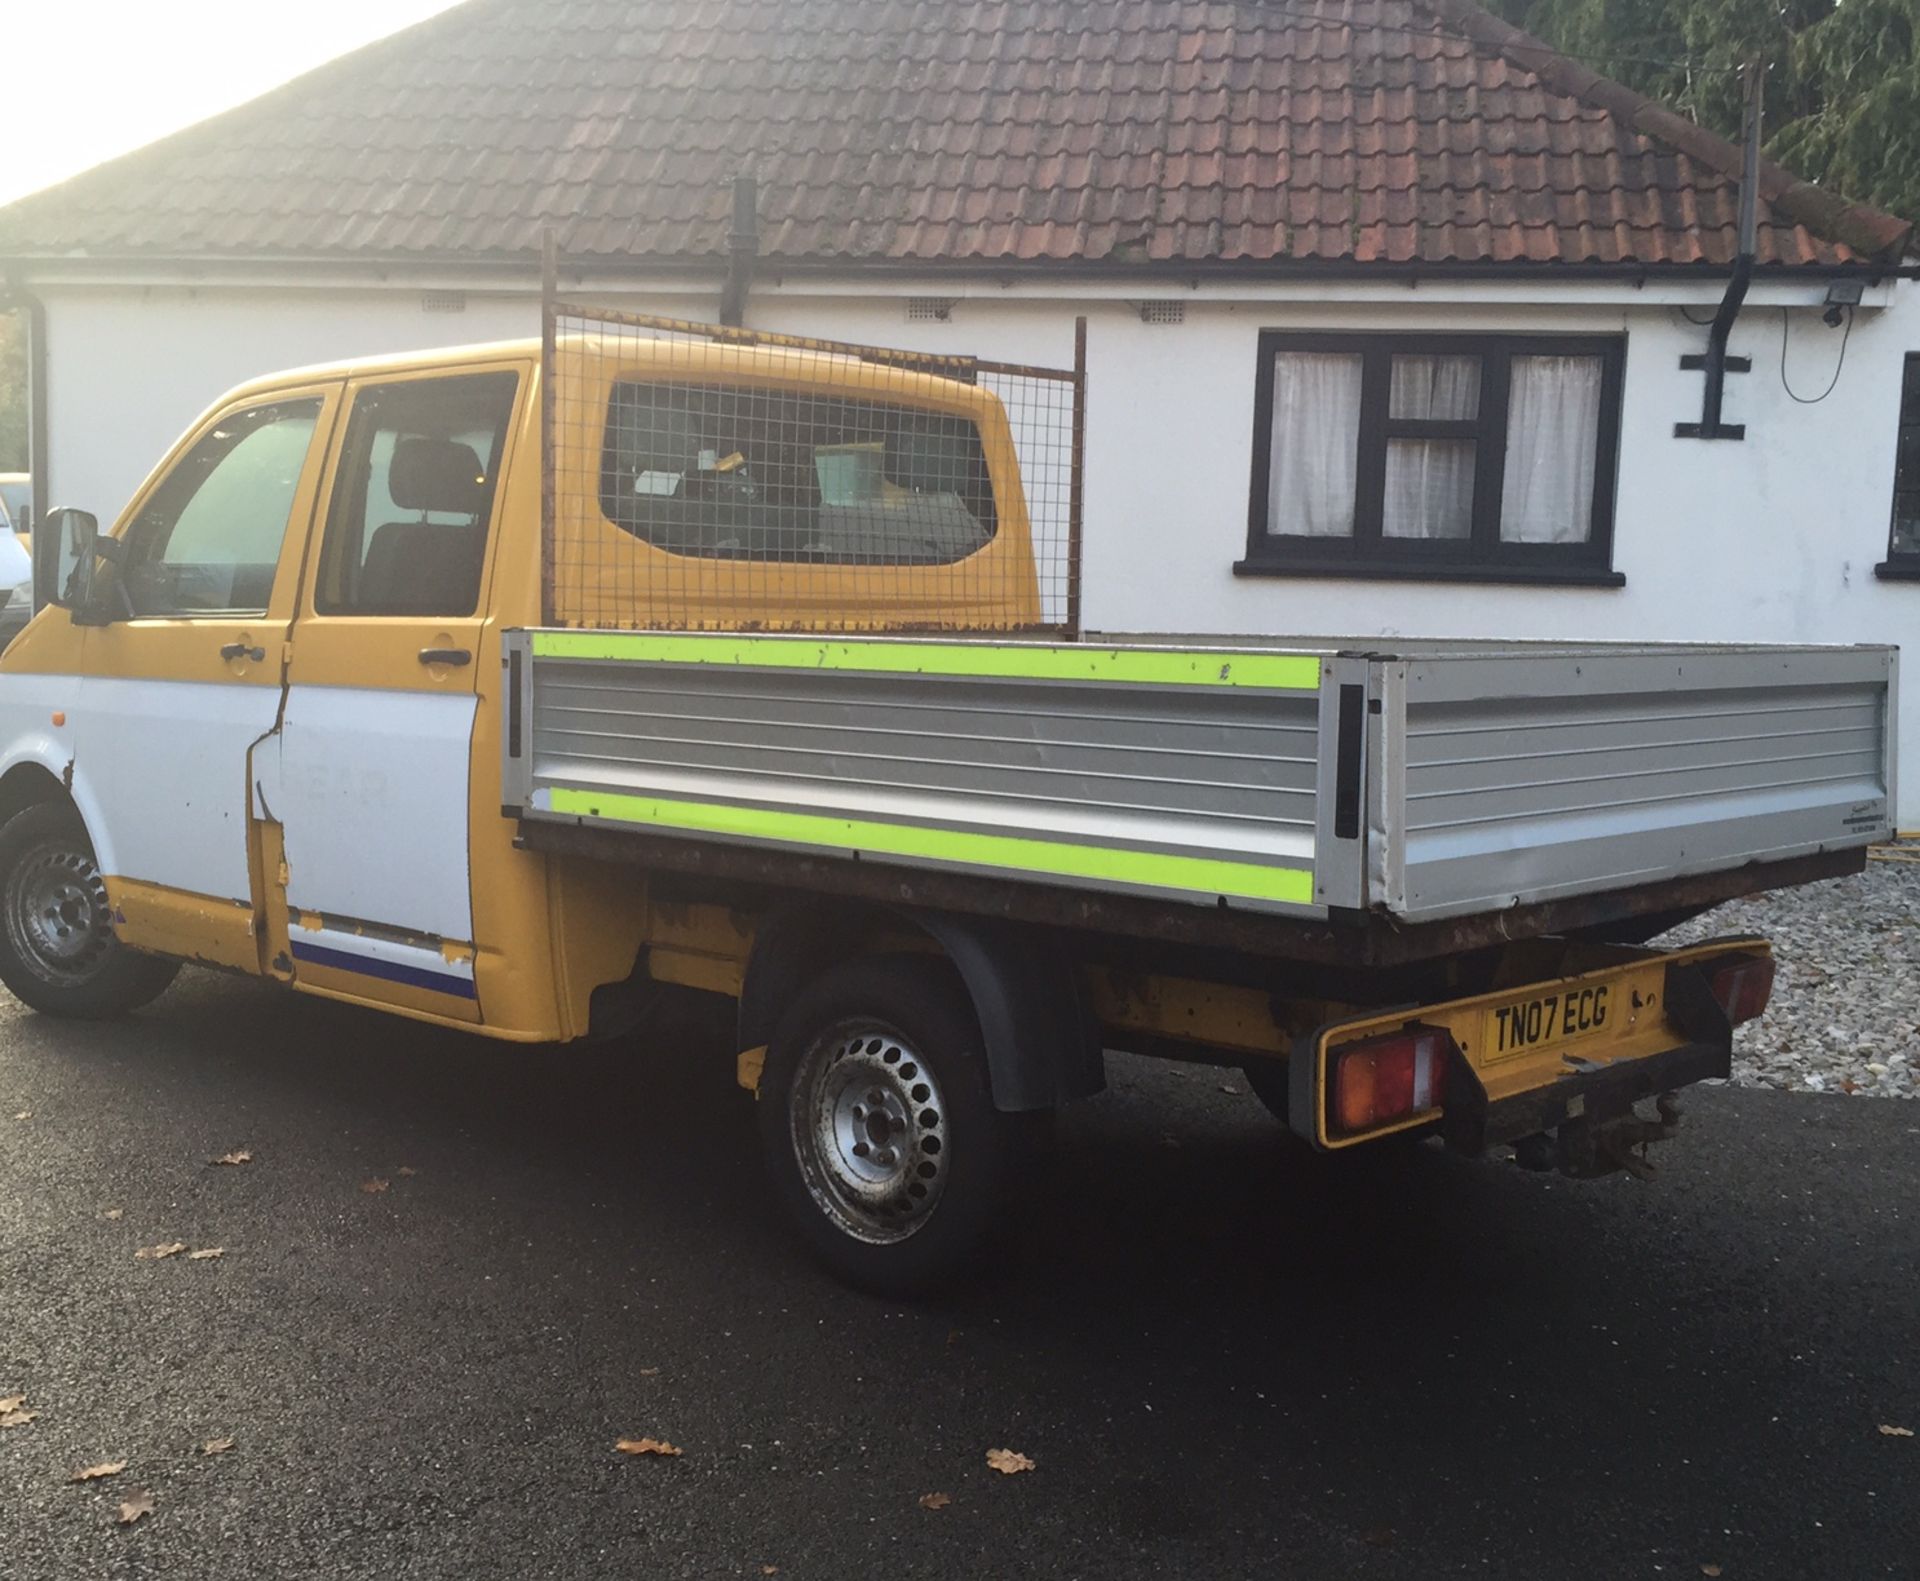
{"x":443,"y":301}
{"x":922,"y":309}
{"x":1161,"y":312}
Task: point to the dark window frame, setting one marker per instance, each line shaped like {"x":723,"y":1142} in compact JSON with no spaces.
{"x":1901,"y":565}
{"x":1483,"y":556}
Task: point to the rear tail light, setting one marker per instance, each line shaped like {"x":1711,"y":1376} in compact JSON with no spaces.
{"x":1387,"y":1079}
{"x":1743,"y":985}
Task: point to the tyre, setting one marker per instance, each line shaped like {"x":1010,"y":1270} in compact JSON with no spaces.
{"x":879,"y":1130}
{"x":58,"y":952}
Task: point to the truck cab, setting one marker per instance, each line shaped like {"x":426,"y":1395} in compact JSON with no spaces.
{"x":273,"y":696}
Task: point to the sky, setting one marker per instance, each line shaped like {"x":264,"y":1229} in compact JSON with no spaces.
{"x":85,"y":80}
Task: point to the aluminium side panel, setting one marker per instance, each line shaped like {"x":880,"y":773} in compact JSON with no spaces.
{"x":1530,"y":775}
{"x":1190,"y":774}
{"x":1350,"y":758}
{"x":516,"y":693}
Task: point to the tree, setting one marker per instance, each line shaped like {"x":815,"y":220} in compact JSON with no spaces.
{"x":1843,"y":76}
{"x":13,"y":393}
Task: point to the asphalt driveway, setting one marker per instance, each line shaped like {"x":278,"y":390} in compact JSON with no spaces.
{"x":1225,"y":1360}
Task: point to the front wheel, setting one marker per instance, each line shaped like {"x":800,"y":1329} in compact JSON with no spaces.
{"x":879,"y":1129}
{"x":58,"y":952}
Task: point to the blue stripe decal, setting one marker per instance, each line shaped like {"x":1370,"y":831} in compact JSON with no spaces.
{"x":390,"y":971}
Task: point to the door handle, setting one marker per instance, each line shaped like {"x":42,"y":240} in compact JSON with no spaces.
{"x":453,"y":656}
{"x":239,"y":650}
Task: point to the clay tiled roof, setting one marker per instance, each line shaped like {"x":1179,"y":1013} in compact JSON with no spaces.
{"x":1174,"y":132}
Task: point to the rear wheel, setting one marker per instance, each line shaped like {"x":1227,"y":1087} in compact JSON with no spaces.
{"x":879,"y":1130}
{"x":58,"y":952}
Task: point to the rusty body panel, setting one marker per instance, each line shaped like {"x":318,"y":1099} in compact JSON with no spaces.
{"x":752,"y":876}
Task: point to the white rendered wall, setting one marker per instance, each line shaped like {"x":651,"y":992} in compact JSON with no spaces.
{"x":1770,"y":539}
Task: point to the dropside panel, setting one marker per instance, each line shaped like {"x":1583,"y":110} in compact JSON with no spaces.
{"x":1173,"y":773}
{"x":1529,"y":775}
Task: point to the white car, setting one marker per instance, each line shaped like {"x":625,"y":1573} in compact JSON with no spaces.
{"x":16,"y":579}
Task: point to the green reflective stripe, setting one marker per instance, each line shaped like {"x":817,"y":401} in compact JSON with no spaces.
{"x":1205,"y":875}
{"x":1291,"y":672}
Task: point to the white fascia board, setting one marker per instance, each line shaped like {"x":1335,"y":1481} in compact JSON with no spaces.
{"x":515,"y":279}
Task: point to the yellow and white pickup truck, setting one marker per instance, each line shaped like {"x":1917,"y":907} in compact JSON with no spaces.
{"x":360,"y":695}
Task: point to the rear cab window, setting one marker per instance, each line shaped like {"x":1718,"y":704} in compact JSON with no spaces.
{"x":744,"y":473}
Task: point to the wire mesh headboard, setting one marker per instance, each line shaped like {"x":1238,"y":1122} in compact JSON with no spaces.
{"x":703,"y":477}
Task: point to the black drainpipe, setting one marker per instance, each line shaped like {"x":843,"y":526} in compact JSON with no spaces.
{"x":743,"y":246}
{"x":1716,"y":363}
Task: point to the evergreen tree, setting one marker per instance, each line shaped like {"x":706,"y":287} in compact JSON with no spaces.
{"x":1843,"y":76}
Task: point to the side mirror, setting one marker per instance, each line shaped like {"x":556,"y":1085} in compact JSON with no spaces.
{"x":63,"y":558}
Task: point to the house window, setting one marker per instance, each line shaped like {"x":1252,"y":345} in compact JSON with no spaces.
{"x":1903,"y":537}
{"x":1477,"y":457}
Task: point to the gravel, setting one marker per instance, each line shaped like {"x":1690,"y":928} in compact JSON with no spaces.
{"x":1845,"y":1016}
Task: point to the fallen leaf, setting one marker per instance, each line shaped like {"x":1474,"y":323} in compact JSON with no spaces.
{"x":1008,"y":1461}
{"x":1709,"y":1570}
{"x":373,"y":1185}
{"x":1229,"y":1089}
{"x":11,"y":1402}
{"x":132,"y":1509}
{"x":645,"y":1446}
{"x":649,"y":1372}
{"x":24,"y":1114}
{"x":935,"y":1501}
{"x":106,"y":1468}
{"x":113,"y":1213}
{"x":238,"y":1156}
{"x":1895,"y":1432}
{"x":18,"y":1418}
{"x":205,"y":1252}
{"x":406,"y":1169}
{"x":155,"y":1253}
{"x":216,"y":1446}
{"x":769,"y":1570}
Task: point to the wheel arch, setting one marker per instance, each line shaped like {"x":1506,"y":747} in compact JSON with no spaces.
{"x":1042,"y":1043}
{"x":27,"y":784}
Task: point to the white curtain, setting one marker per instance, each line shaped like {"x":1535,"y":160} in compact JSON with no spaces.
{"x":1429,"y":488}
{"x":1553,"y":427}
{"x":1437,"y":387}
{"x":1316,"y":443}
{"x":1429,"y":492}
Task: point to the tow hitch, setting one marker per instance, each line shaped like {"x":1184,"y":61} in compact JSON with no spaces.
{"x":1590,"y":1146}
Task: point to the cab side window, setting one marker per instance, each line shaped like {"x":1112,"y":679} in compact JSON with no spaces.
{"x":407,"y":529}
{"x":208,"y":541}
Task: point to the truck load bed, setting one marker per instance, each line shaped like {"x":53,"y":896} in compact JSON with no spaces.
{"x":1387,"y":783}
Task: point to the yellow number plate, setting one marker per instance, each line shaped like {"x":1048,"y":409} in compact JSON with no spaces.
{"x":1567,"y":1015}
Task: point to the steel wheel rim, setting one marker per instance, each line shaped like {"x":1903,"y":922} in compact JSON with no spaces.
{"x":57,"y":915}
{"x":870,"y":1131}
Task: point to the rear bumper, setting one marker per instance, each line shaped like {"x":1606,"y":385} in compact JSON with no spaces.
{"x":1473,"y":1126}
{"x":1663,"y":1030}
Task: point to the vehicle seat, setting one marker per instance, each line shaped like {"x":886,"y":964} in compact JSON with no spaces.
{"x":426,"y":567}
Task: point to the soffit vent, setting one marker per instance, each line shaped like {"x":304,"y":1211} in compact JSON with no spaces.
{"x":1161,"y":312}
{"x":443,"y":301}
{"x":922,"y":309}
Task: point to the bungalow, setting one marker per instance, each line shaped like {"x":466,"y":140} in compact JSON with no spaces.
{"x":1396,"y":317}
